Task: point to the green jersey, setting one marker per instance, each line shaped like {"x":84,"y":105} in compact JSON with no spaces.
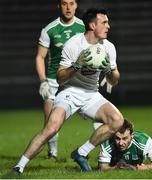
{"x":140,"y":147}
{"x":53,"y":36}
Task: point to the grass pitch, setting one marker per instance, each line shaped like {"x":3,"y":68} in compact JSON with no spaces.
{"x":17,"y":127}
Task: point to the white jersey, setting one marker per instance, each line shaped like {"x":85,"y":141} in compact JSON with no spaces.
{"x":84,"y":78}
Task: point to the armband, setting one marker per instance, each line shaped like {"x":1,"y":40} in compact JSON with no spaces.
{"x":76,"y":66}
{"x":43,"y":80}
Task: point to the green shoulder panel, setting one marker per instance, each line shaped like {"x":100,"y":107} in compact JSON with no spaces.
{"x":141,"y":137}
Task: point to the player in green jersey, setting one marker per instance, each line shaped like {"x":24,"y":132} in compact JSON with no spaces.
{"x":126,"y":150}
{"x":51,"y":41}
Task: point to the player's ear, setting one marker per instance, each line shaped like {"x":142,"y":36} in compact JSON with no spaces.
{"x":92,"y":26}
{"x":132,"y":135}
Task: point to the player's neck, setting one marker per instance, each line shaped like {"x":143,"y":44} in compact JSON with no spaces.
{"x":91,"y":39}
{"x":66,"y":21}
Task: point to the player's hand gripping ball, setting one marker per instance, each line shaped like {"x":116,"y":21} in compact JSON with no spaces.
{"x":95,"y":57}
{"x":97,"y":54}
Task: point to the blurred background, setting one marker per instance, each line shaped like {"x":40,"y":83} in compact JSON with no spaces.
{"x":21,"y":22}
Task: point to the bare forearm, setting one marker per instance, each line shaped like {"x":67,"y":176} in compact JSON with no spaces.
{"x":119,"y":165}
{"x":113,"y":78}
{"x":40,"y":62}
{"x":144,"y":166}
{"x":64,"y":74}
{"x":40,"y":68}
{"x":107,"y":167}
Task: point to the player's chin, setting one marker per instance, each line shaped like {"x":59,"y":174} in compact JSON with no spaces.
{"x":122,"y":149}
{"x":103,"y":36}
{"x":69,"y":16}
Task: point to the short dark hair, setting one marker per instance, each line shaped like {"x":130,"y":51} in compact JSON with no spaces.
{"x":59,"y":1}
{"x":126,"y":126}
{"x":90,"y":16}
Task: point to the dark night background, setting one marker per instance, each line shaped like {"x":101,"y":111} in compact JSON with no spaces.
{"x":21,"y":22}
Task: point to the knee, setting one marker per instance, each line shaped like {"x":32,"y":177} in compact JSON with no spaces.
{"x":49,"y":132}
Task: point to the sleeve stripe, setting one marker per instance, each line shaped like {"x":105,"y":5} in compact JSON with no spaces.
{"x":140,"y":146}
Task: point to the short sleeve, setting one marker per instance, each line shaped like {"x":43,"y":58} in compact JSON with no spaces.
{"x":44,"y":39}
{"x":104,"y":156}
{"x":148,"y":149}
{"x":70,"y":53}
{"x":111,"y":50}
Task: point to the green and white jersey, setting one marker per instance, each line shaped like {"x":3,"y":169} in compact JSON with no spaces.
{"x":53,"y":36}
{"x":140,"y":148}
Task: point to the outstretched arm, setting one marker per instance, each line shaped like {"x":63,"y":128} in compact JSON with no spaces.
{"x":144,"y":166}
{"x":106,"y":167}
{"x":120,"y":165}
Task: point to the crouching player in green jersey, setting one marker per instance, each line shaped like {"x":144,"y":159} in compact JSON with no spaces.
{"x":126,"y":150}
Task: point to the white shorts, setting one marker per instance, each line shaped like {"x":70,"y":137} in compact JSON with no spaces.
{"x":74,"y":99}
{"x":54,"y":87}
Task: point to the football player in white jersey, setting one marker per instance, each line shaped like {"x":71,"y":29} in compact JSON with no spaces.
{"x":51,"y":41}
{"x":79,"y":91}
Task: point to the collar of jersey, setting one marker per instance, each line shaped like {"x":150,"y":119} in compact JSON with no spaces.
{"x":67,"y":24}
